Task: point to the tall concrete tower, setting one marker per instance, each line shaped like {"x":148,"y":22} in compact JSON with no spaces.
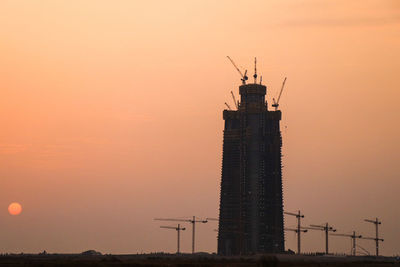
{"x":251,"y":208}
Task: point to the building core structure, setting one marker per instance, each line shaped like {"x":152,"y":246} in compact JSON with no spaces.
{"x":251,"y":202}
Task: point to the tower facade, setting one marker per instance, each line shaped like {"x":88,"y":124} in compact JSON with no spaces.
{"x":251,"y":205}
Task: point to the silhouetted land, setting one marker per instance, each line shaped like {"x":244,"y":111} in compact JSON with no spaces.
{"x":209,"y":260}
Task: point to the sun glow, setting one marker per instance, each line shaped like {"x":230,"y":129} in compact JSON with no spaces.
{"x":14,"y":208}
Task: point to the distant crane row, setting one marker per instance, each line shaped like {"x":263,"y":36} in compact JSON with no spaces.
{"x":328,"y":228}
{"x":298,"y":230}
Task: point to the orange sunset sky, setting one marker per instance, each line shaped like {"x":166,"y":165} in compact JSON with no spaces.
{"x":111,"y":115}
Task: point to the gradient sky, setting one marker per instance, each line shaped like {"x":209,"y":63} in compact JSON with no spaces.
{"x":111,"y":115}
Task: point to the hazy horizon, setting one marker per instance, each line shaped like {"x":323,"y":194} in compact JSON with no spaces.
{"x":111,"y":115}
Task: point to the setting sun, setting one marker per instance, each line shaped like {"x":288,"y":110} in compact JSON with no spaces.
{"x":14,"y":208}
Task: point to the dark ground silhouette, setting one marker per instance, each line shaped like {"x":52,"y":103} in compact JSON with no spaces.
{"x":160,"y":259}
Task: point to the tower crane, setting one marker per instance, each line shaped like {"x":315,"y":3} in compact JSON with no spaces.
{"x":178,"y":231}
{"x":377,"y":239}
{"x":326,"y":228}
{"x":244,"y":76}
{"x":276,"y":103}
{"x":353,"y":240}
{"x":298,"y":230}
{"x":192,"y":221}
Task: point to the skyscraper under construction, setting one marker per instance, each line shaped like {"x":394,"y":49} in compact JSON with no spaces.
{"x":251,"y":208}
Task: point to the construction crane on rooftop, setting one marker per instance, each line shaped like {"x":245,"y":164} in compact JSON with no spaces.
{"x":192,"y":221}
{"x":244,"y":76}
{"x":353,"y":240}
{"x":276,"y":103}
{"x":178,"y":231}
{"x":234,"y":100}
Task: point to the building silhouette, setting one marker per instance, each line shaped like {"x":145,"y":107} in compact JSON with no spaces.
{"x":251,"y":208}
